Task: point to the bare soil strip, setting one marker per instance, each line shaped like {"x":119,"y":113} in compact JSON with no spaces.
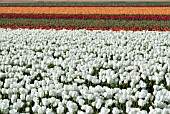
{"x":86,"y":10}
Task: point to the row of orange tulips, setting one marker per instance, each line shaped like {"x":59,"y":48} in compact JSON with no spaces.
{"x":86,"y":10}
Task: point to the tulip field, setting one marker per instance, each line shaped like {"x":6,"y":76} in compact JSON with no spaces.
{"x":85,"y":58}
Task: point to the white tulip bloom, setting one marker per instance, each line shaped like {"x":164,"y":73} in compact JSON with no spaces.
{"x":89,"y":77}
{"x":108,"y":102}
{"x":143,"y":93}
{"x":127,"y":109}
{"x":80,"y":112}
{"x":29,"y":98}
{"x":52,"y":92}
{"x":71,"y":106}
{"x":165,"y":111}
{"x":13,"y":111}
{"x":134,"y":110}
{"x":168,"y":81}
{"x":52,"y":100}
{"x":45,"y":101}
{"x":95,"y":81}
{"x":122,"y":100}
{"x":2,"y":74}
{"x":115,"y":110}
{"x":6,"y":84}
{"x":4,"y":104}
{"x":144,"y":112}
{"x":90,"y":96}
{"x":148,"y":97}
{"x":41,"y":110}
{"x":3,"y":90}
{"x":27,"y":109}
{"x":89,"y":110}
{"x":142,"y":84}
{"x":49,"y":111}
{"x":1,"y":84}
{"x":159,"y":104}
{"x":13,"y":98}
{"x":141,"y":102}
{"x":60,"y":109}
{"x":128,"y":103}
{"x":35,"y":108}
{"x":104,"y":110}
{"x":98,"y":105}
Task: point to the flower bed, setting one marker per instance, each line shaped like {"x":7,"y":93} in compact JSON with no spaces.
{"x":82,"y":71}
{"x":73,"y":16}
{"x":104,"y":24}
{"x":87,"y":10}
{"x":72,"y":4}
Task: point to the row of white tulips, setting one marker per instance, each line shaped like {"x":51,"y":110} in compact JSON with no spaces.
{"x":84,"y":72}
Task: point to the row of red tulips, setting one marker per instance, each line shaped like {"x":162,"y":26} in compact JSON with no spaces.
{"x":52,"y":16}
{"x":87,"y":28}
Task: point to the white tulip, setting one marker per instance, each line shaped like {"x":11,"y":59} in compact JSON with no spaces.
{"x":89,"y":77}
{"x":143,"y":93}
{"x":29,"y":98}
{"x":81,"y":102}
{"x":165,"y":111}
{"x":98,"y":105}
{"x":71,"y":106}
{"x":108,"y":102}
{"x":115,"y":110}
{"x":142,"y":84}
{"x":1,"y":84}
{"x":148,"y":97}
{"x":49,"y":111}
{"x":27,"y":109}
{"x":128,"y":103}
{"x":127,"y":109}
{"x":141,"y":102}
{"x":143,"y":112}
{"x":52,"y":92}
{"x":80,"y":112}
{"x":168,"y":81}
{"x":90,"y":96}
{"x":5,"y":104}
{"x":3,"y":90}
{"x":104,"y":110}
{"x":89,"y":110}
{"x":52,"y":100}
{"x":13,"y":98}
{"x":41,"y":110}
{"x":122,"y":100}
{"x":45,"y":101}
{"x":6,"y":84}
{"x":159,"y":104}
{"x":13,"y":111}
{"x":60,"y":109}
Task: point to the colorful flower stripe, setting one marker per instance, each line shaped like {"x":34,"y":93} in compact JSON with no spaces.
{"x":84,"y":6}
{"x":71,"y":4}
{"x":87,"y":10}
{"x":108,"y":23}
{"x":87,"y":28}
{"x":49,"y":16}
{"x":82,"y":23}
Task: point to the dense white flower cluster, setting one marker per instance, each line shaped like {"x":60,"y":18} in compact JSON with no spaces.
{"x":84,"y":72}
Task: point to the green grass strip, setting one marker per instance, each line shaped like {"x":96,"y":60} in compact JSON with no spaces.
{"x":81,"y":23}
{"x":85,"y":4}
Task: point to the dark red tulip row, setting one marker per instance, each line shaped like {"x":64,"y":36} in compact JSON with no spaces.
{"x":87,"y":28}
{"x":62,"y":16}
